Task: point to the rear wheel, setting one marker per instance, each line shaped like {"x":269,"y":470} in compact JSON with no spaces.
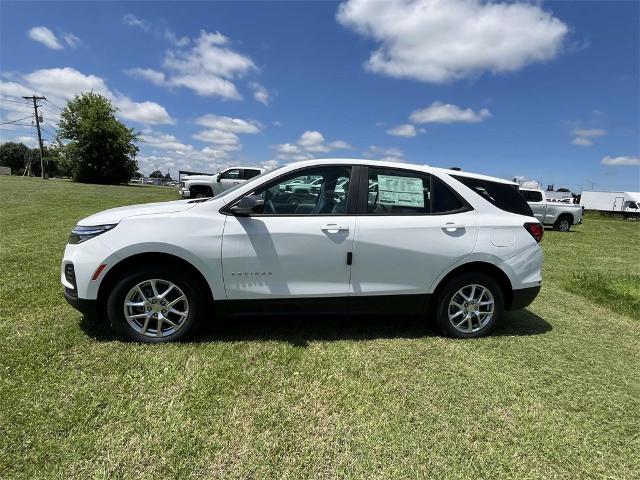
{"x":154,"y":305}
{"x":563,"y":224}
{"x":470,"y":305}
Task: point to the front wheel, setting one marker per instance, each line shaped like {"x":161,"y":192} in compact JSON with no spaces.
{"x":154,"y":305}
{"x":469,"y":306}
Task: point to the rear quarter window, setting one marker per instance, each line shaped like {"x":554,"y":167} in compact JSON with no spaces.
{"x":503,"y":195}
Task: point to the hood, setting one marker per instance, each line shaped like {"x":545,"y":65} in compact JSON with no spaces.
{"x":188,"y":178}
{"x":115,"y":215}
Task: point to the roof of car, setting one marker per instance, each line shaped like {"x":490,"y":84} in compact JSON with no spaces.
{"x":408,"y":166}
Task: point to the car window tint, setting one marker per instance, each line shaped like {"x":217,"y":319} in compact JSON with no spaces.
{"x":443,"y":200}
{"x":503,"y":195}
{"x":316,"y":191}
{"x":398,"y":192}
{"x":531,"y":196}
{"x":250,"y":173}
{"x":231,"y":174}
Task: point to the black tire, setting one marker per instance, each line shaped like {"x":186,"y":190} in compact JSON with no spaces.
{"x":115,"y":303}
{"x":452,"y":287}
{"x":563,"y":224}
{"x":203,"y":194}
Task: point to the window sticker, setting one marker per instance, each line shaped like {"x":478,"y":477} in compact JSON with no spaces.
{"x":400,"y":191}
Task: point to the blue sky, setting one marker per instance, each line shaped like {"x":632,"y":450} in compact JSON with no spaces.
{"x":547,"y":91}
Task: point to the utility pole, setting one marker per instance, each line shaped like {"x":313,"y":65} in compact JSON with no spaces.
{"x":35,"y":109}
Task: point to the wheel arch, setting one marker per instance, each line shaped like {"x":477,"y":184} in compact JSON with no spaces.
{"x":150,"y":258}
{"x":482,"y":267}
{"x":199,"y":187}
{"x":566,"y":215}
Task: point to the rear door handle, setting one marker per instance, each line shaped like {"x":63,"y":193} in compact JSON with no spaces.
{"x":334,"y":228}
{"x":450,"y":226}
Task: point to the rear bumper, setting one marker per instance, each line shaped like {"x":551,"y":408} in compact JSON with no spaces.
{"x":523,"y":297}
{"x":88,"y":308}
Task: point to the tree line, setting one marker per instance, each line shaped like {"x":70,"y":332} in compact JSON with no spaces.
{"x":93,"y":146}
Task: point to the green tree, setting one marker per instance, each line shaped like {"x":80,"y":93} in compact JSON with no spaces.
{"x":156,"y":174}
{"x":98,"y":147}
{"x":13,"y":155}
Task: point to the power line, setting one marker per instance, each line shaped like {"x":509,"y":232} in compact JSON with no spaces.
{"x":16,"y":120}
{"x":13,"y":101}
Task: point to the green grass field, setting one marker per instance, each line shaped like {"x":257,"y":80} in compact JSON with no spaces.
{"x":554,"y":393}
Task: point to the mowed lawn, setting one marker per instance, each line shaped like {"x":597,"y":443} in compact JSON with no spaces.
{"x":554,"y":393}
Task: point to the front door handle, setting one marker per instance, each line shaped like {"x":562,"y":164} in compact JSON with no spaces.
{"x":334,"y":228}
{"x":451,"y":227}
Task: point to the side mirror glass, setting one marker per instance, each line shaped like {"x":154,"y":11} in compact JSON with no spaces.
{"x":248,"y":205}
{"x":218,"y":177}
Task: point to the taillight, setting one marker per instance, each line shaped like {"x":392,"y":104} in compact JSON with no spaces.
{"x":535,"y":229}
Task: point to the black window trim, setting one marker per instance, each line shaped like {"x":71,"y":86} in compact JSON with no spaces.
{"x":364,"y":194}
{"x":352,"y":203}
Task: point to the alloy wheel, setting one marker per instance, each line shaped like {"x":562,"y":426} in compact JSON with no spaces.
{"x":471,"y":308}
{"x":156,"y":308}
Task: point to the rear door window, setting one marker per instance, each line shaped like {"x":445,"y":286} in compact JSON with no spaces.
{"x":250,"y":173}
{"x":531,"y":196}
{"x":398,"y":192}
{"x":503,"y":195}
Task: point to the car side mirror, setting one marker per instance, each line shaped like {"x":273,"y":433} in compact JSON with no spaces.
{"x":218,"y":177}
{"x":248,"y":205}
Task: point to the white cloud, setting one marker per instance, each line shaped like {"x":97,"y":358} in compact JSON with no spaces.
{"x":71,"y":40}
{"x":313,"y":141}
{"x":208,"y":66}
{"x":623,"y":160}
{"x":223,"y":140}
{"x":443,"y":40}
{"x":582,"y":142}
{"x":61,"y":84}
{"x":310,"y":142}
{"x":133,"y":21}
{"x":260,"y":93}
{"x":405,"y":130}
{"x":339,"y":145}
{"x":154,"y":76}
{"x":387,"y":154}
{"x":270,"y":164}
{"x":588,"y":132}
{"x":228,"y":124}
{"x":583,"y":136}
{"x":439,"y":112}
{"x":164,"y":141}
{"x":46,"y":37}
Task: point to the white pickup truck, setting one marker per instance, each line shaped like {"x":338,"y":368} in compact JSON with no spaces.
{"x":201,"y":186}
{"x":560,"y":215}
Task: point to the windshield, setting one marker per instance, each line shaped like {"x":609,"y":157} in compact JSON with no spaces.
{"x":248,"y":182}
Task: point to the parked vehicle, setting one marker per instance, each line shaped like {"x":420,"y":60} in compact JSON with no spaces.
{"x":560,"y":215}
{"x":202,"y":186}
{"x":625,"y":203}
{"x":402,"y":239}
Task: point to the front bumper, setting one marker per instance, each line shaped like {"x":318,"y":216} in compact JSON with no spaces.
{"x":523,"y":297}
{"x":88,"y":308}
{"x":185,"y":193}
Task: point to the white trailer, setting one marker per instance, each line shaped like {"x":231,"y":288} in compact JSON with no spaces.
{"x":612,"y":202}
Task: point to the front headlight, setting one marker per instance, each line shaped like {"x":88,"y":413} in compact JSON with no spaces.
{"x":80,"y":233}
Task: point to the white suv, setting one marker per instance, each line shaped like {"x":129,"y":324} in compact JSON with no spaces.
{"x":396,"y":239}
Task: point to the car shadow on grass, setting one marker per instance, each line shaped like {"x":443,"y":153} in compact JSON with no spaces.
{"x":299,"y":331}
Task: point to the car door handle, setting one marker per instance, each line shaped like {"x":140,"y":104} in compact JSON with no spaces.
{"x":450,"y":226}
{"x":334,"y":227}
